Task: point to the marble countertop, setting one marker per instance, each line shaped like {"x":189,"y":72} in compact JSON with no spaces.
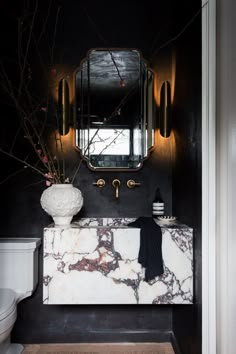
{"x":120,"y":222}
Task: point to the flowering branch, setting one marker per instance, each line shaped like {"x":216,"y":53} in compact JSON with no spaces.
{"x":22,"y":161}
{"x":33,"y":110}
{"x":33,"y":115}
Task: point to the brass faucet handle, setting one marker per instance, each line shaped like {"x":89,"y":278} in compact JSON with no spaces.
{"x":131,"y":183}
{"x":100,"y":183}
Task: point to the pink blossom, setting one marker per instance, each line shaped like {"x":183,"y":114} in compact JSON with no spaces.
{"x":48,"y":183}
{"x":48,"y":175}
{"x":45,"y":159}
{"x":39,"y":151}
{"x":44,"y":109}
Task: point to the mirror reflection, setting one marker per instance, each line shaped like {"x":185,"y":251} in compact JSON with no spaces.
{"x":114,"y":109}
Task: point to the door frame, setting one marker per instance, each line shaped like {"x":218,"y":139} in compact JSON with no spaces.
{"x":209,"y":177}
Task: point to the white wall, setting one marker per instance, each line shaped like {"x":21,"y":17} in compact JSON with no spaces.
{"x":226,"y":177}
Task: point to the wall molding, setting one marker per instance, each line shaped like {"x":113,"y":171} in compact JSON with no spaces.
{"x":122,"y":335}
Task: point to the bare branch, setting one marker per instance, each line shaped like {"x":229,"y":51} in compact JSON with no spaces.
{"x":22,"y":161}
{"x":27,"y":49}
{"x":12,"y":175}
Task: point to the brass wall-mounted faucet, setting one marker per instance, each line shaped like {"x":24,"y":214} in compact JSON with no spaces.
{"x":116,"y":185}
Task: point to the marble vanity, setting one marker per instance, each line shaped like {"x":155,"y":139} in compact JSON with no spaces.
{"x":95,"y":262}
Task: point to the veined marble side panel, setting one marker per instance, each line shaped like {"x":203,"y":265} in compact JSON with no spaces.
{"x":96,"y":263}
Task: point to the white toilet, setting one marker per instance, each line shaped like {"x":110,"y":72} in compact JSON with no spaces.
{"x":18,"y":280}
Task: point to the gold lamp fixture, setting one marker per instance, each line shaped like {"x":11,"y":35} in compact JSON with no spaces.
{"x":165,"y":110}
{"x":63,"y":107}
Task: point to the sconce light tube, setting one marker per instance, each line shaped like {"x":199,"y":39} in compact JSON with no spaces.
{"x":165,"y":110}
{"x":63,"y":107}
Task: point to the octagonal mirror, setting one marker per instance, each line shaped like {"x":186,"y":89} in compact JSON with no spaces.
{"x":114,"y":109}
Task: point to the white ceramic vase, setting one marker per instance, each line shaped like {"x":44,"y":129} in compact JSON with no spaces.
{"x":62,"y":202}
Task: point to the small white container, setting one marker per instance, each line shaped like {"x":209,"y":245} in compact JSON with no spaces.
{"x":158,"y":209}
{"x":158,"y":205}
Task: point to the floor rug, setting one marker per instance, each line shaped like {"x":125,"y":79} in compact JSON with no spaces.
{"x":99,"y":348}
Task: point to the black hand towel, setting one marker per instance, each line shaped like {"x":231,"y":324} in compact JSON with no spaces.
{"x":150,"y":252}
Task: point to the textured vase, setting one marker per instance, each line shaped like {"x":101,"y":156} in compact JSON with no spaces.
{"x":62,"y":202}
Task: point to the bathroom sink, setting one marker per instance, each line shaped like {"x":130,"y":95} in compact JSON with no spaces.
{"x":102,"y":254}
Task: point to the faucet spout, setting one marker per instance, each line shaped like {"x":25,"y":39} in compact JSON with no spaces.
{"x":116,"y":185}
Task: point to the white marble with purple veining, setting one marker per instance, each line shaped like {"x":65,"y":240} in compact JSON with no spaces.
{"x":95,"y":262}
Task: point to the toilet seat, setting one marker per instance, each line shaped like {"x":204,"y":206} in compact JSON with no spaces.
{"x":7,"y":303}
{"x":8,"y":313}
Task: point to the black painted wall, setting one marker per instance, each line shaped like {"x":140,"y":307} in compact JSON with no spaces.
{"x":145,"y":25}
{"x":187,"y":173}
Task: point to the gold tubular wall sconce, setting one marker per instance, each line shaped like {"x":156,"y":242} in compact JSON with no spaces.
{"x":63,"y":107}
{"x":165,"y":110}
